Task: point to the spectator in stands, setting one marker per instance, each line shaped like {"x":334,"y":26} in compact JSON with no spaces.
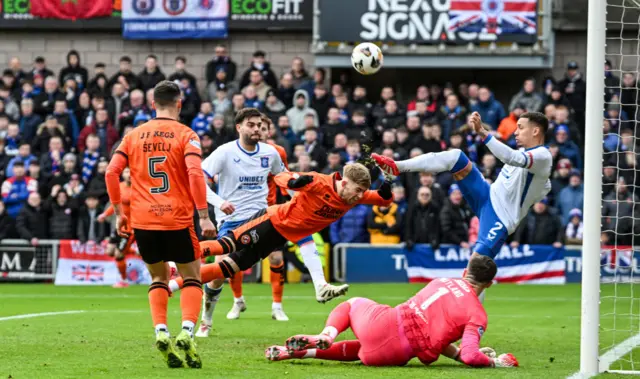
{"x":539,"y":227}
{"x":103,"y":129}
{"x":557,"y":97}
{"x":47,"y":130}
{"x":509,"y":124}
{"x":629,"y":95}
{"x":286,"y":91}
{"x":391,"y":117}
{"x":24,"y":156}
{"x":260,"y":64}
{"x":125,"y":76}
{"x":89,"y":228}
{"x":352,"y":227}
{"x":299,"y":73}
{"x":575,"y":228}
{"x":321,"y":102}
{"x":46,"y":100}
{"x":257,"y":81}
{"x":52,"y":161}
{"x":315,"y":150}
{"x":68,"y":121}
{"x":611,"y":82}
{"x":455,"y":217}
{"x":7,"y":224}
{"x":422,"y":222}
{"x":221,"y":103}
{"x":221,"y":60}
{"x":561,"y":117}
{"x":422,"y":95}
{"x":35,"y":173}
{"x":90,"y":158}
{"x":16,"y":68}
{"x":182,"y":73}
{"x":98,"y":184}
{"x":74,"y":71}
{"x":334,"y":162}
{"x":9,"y":81}
{"x":560,"y":178}
{"x":400,"y":199}
{"x":297,"y":113}
{"x":575,"y":88}
{"x":568,"y":148}
{"x":190,"y":103}
{"x":16,"y":190}
{"x":359,"y":101}
{"x":251,"y":99}
{"x":116,"y":104}
{"x":570,"y":197}
{"x":331,"y":128}
{"x":30,"y":224}
{"x":274,"y":107}
{"x":132,"y":109}
{"x":387,"y":93}
{"x":11,"y":108}
{"x":384,"y":225}
{"x":618,"y":212}
{"x":151,"y":74}
{"x":29,"y":121}
{"x":218,"y":132}
{"x":530,"y":99}
{"x":452,"y":116}
{"x":202,"y":123}
{"x":40,"y":68}
{"x":60,"y":212}
{"x":490,"y":109}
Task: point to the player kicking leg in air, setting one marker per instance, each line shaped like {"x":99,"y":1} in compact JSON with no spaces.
{"x":426,"y":326}
{"x":165,"y":161}
{"x":319,"y":200}
{"x":523,"y":181}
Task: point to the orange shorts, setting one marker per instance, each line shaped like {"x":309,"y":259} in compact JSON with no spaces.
{"x":179,"y":246}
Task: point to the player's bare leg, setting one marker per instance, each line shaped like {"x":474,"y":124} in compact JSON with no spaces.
{"x":158,"y":302}
{"x":276,"y":263}
{"x":190,"y":305}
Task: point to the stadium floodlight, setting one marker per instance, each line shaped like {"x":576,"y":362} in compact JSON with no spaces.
{"x":610,"y":322}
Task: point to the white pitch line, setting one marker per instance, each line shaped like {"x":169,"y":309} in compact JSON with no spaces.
{"x":43,"y":314}
{"x":611,"y":356}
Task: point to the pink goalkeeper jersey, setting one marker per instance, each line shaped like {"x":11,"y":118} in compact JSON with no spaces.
{"x":440,"y":314}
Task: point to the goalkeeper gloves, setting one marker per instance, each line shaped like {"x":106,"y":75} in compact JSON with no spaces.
{"x":385,"y":190}
{"x":505,"y":360}
{"x":489,"y":352}
{"x":300,"y":181}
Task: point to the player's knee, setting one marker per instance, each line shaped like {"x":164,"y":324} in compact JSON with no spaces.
{"x":216,"y":283}
{"x":242,"y":261}
{"x":275,"y":258}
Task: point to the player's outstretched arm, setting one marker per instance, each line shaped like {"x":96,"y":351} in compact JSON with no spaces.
{"x":296,"y":181}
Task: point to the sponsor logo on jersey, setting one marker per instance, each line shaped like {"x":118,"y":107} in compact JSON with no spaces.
{"x":143,"y":7}
{"x":329,"y":212}
{"x":264,"y":162}
{"x":174,"y":7}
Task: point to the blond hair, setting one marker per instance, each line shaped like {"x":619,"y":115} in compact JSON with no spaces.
{"x":358,"y":173}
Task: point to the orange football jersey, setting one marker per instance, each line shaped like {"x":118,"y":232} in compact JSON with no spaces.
{"x":314,"y":207}
{"x":160,"y":192}
{"x":273,"y":195}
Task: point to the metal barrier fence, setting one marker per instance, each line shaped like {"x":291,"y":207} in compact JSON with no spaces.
{"x":19,"y":260}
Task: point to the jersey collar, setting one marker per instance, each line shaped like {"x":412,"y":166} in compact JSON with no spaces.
{"x":535,"y":147}
{"x":249,"y":153}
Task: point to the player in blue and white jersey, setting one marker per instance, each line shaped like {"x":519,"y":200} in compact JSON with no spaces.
{"x":523,"y":181}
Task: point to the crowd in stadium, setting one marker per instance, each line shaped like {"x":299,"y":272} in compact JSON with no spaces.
{"x":58,"y":130}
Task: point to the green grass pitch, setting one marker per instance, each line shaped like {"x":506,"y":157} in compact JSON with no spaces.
{"x":113,"y":338}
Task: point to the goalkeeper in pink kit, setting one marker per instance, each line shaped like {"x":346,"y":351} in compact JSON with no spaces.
{"x":426,"y":326}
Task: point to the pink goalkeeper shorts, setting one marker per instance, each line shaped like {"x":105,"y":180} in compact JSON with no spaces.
{"x":379,"y":330}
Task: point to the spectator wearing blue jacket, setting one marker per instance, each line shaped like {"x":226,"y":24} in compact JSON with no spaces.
{"x":352,"y":227}
{"x":16,"y":190}
{"x":568,"y":148}
{"x":570,"y":197}
{"x":611,"y":141}
{"x":24,"y":156}
{"x":452,"y":115}
{"x":29,"y":121}
{"x":202,"y":123}
{"x":490,"y":109}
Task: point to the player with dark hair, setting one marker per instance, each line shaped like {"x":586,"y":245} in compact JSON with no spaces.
{"x":523,"y":181}
{"x":165,"y":161}
{"x":425,"y":326}
{"x":319,"y":201}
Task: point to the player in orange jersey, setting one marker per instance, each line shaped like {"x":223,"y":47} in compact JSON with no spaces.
{"x":118,"y":247}
{"x":319,"y":201}
{"x":165,"y":161}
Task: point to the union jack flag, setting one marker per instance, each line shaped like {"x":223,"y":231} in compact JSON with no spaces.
{"x":493,"y":16}
{"x":87,"y":273}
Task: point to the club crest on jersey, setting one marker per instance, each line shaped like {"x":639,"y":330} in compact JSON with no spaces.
{"x":174,"y":7}
{"x":143,"y":7}
{"x":264,"y":162}
{"x":245,"y":239}
{"x":480,"y":331}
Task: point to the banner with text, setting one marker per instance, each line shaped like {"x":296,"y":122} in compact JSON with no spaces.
{"x":617,"y":265}
{"x":174,"y":19}
{"x":17,"y":262}
{"x":89,"y":264}
{"x":271,"y":14}
{"x":429,"y":21}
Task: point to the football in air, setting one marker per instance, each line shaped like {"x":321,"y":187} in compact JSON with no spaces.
{"x":367,"y":58}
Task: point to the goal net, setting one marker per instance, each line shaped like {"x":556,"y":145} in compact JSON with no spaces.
{"x":610,"y":336}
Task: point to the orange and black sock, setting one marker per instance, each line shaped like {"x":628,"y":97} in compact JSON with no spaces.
{"x":224,"y":245}
{"x":277,"y":282}
{"x":208,"y":273}
{"x":190,"y":303}
{"x":158,"y":301}
{"x":122,"y":267}
{"x":235,"y":282}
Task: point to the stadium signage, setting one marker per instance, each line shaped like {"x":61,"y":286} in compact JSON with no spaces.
{"x":17,"y":262}
{"x":429,"y":21}
{"x":271,"y":14}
